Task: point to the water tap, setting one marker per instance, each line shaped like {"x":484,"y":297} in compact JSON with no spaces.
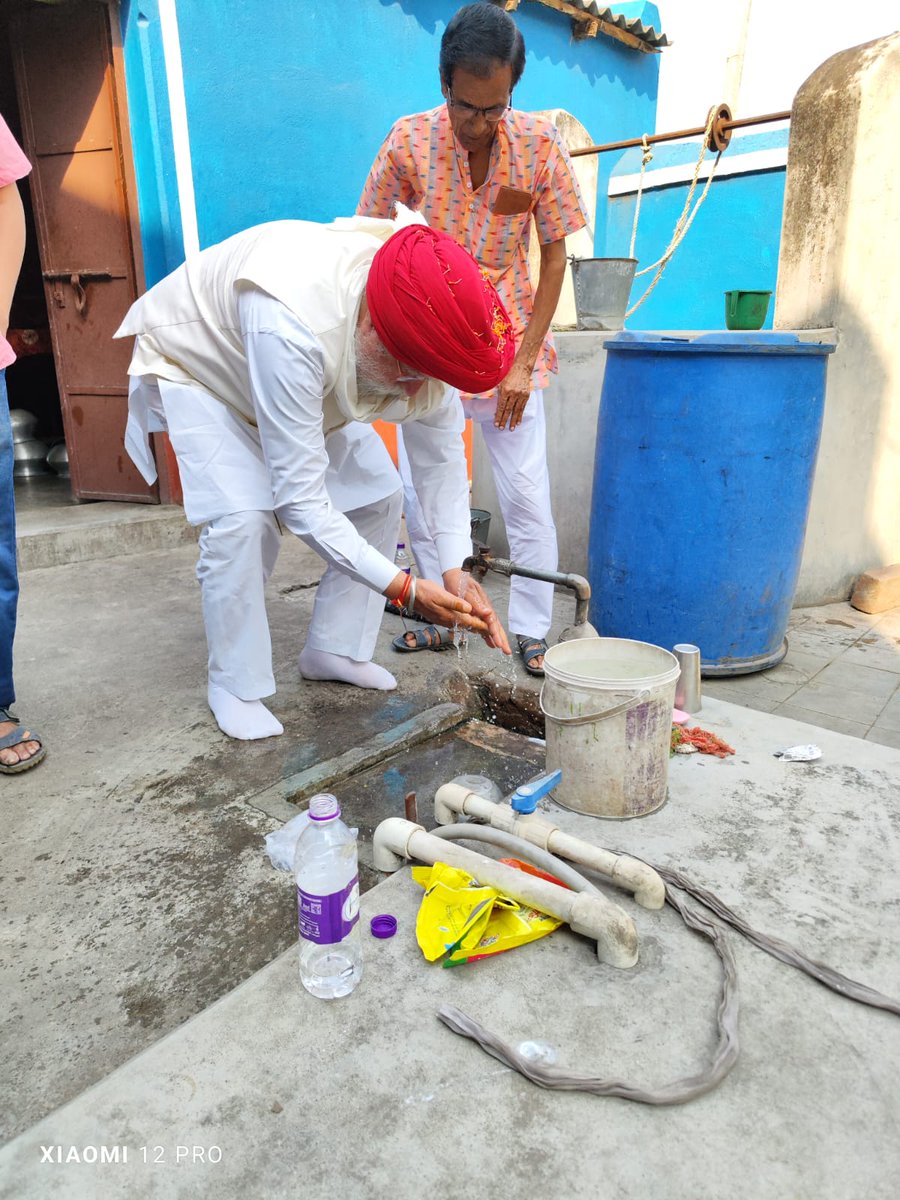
{"x":525,"y":798}
{"x":478,"y":565}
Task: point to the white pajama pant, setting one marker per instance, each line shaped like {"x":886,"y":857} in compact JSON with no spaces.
{"x":519,"y":463}
{"x":227,"y":490}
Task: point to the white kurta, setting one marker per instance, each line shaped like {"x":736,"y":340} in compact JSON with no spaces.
{"x":257,"y":389}
{"x":190,"y":330}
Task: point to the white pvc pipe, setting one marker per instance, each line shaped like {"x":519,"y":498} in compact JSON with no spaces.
{"x":635,"y":876}
{"x":588,"y":913}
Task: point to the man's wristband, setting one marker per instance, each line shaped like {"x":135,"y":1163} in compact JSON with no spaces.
{"x":410,"y":604}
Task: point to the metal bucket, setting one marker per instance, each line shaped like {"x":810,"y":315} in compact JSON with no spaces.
{"x":481,"y":526}
{"x":602,"y":289}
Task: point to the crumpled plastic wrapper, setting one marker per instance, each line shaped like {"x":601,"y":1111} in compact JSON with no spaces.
{"x":799,"y":753}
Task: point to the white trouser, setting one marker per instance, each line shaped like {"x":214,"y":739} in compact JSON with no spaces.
{"x":519,"y":463}
{"x":226,"y":488}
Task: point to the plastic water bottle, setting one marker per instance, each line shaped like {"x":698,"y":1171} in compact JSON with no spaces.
{"x":401,"y":559}
{"x":327,"y":876}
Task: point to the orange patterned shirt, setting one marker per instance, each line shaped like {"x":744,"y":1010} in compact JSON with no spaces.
{"x":422,"y":165}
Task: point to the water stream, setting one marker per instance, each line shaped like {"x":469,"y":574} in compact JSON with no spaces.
{"x":505,"y":668}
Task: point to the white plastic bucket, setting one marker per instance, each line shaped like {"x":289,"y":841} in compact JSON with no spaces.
{"x":608,"y":704}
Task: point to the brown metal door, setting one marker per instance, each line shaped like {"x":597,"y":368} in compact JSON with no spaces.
{"x":73,"y":128}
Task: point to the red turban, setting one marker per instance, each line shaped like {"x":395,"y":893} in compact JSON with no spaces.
{"x":435,"y":311}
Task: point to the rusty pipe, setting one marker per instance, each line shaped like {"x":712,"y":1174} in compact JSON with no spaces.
{"x":480,"y":564}
{"x":720,"y":134}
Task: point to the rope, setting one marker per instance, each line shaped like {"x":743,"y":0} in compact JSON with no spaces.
{"x":646,"y":157}
{"x":684,"y":221}
{"x":777,"y":948}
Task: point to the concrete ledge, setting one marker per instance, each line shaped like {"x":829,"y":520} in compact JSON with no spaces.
{"x":55,"y":537}
{"x":281,"y":800}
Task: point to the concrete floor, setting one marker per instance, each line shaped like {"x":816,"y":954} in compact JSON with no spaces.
{"x":135,"y":888}
{"x":134,"y":884}
{"x":271,"y":1093}
{"x":842,"y":672}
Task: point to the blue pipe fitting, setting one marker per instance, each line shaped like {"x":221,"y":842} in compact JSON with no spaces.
{"x":525,"y":798}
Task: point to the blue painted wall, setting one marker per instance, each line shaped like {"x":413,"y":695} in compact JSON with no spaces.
{"x":287,"y":103}
{"x":732,"y":243}
{"x":151,"y":137}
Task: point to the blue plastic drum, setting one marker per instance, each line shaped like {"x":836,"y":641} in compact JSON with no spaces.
{"x":706,"y":449}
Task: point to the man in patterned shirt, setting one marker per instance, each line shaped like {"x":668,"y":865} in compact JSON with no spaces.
{"x":482,"y":171}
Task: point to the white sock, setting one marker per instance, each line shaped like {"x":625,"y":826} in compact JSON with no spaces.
{"x":243,"y":719}
{"x":319,"y":664}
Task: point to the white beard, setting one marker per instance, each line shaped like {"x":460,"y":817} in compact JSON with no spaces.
{"x":368,"y":366}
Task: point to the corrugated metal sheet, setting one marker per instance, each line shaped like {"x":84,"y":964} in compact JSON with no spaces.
{"x":633,"y":25}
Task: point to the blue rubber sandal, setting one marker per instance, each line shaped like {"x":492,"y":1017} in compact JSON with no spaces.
{"x":429,"y":637}
{"x":530,"y":649}
{"x":15,"y":737}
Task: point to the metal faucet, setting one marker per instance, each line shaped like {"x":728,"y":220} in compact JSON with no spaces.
{"x":479,"y":564}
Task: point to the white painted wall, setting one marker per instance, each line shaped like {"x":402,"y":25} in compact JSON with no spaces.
{"x":754,"y":54}
{"x":580,"y":244}
{"x":571,"y":404}
{"x":840,"y":266}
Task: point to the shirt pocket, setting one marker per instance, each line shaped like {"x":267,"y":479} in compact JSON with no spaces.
{"x":511,"y":202}
{"x":502,"y":239}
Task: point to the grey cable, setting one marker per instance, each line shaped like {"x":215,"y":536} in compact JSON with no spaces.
{"x":543,"y":859}
{"x":727,"y":1048}
{"x":779,"y":949}
{"x":557,"y":1078}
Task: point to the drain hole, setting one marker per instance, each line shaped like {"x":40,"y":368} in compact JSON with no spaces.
{"x":510,"y":707}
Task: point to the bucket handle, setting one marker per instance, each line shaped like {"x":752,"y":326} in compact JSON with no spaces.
{"x":590,"y":718}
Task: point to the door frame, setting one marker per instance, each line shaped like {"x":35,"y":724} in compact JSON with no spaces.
{"x":168,"y":483}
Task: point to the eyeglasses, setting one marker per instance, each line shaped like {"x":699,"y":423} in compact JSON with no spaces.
{"x":407,"y":374}
{"x":468,"y":112}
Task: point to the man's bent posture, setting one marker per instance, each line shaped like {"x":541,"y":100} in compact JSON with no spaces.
{"x":266,"y":358}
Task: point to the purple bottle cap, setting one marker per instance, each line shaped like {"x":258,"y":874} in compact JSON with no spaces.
{"x":383,"y":926}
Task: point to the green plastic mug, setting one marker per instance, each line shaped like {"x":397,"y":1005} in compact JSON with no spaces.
{"x":746,"y":310}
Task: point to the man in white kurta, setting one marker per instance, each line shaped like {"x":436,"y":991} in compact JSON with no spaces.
{"x":266,"y":358}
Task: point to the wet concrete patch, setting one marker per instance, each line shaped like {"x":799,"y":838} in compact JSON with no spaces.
{"x":134,"y":882}
{"x":476,"y":748}
{"x":170,"y":901}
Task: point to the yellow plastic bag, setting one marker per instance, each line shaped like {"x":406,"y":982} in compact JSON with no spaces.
{"x":466,"y":920}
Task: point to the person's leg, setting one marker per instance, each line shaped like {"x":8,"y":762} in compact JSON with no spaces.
{"x":9,"y":580}
{"x":237,"y":555}
{"x":227,"y":490}
{"x":347,"y":615}
{"x":426,"y":637}
{"x":10,"y":756}
{"x":519,"y":462}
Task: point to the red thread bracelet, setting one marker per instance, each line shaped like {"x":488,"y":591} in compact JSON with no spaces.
{"x":400,"y":600}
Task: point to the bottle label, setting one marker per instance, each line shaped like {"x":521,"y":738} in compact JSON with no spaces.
{"x":328,"y":919}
